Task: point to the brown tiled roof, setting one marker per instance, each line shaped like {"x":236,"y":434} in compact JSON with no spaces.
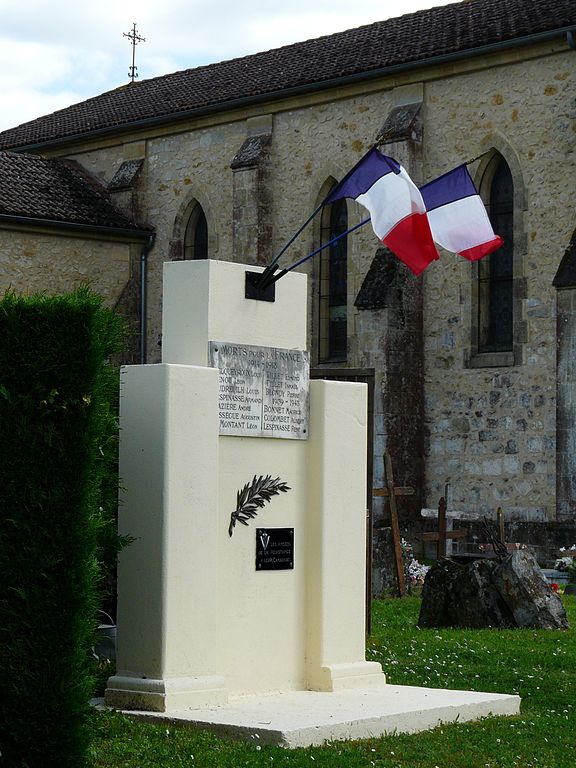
{"x":56,"y":191}
{"x":453,"y":30}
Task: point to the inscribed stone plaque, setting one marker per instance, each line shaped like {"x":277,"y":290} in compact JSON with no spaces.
{"x":274,"y":549}
{"x":263,"y":391}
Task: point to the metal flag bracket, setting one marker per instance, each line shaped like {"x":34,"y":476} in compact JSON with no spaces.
{"x":255,"y":289}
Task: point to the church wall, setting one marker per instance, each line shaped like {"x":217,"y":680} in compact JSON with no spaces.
{"x":566,"y":392}
{"x":492,"y":430}
{"x":179,"y":169}
{"x":103,"y":163}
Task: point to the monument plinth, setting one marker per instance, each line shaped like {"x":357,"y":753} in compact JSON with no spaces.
{"x":233,"y":586}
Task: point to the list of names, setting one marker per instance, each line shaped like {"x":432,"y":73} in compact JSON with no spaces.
{"x":263,"y":391}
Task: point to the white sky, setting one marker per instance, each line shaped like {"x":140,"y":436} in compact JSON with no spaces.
{"x":54,"y":53}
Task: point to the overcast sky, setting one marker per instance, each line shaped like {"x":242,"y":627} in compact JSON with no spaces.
{"x":54,"y":53}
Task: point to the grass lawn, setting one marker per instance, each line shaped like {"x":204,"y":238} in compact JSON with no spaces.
{"x":539,"y":665}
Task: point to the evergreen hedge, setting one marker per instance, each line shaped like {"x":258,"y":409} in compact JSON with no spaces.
{"x":56,"y":426}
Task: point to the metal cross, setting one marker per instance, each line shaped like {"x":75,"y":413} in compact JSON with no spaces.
{"x":135,"y":39}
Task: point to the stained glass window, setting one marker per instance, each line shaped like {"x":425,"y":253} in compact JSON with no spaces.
{"x":334,"y":284}
{"x":495,"y":272}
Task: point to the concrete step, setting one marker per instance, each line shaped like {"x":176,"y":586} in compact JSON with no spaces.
{"x":305,"y":718}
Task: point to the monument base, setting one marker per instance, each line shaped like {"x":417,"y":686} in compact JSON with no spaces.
{"x":310,"y":718}
{"x":165,"y":695}
{"x":342,"y":677}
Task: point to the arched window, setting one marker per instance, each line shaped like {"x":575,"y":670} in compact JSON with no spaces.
{"x":334,"y":284}
{"x":196,"y":235}
{"x":495,"y":272}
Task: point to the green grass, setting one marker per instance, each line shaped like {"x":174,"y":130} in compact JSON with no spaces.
{"x":539,"y":665}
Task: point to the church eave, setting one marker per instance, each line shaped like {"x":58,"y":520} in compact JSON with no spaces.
{"x":11,"y":221}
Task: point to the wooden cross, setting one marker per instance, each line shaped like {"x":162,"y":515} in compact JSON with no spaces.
{"x":391,"y":491}
{"x":441,"y":536}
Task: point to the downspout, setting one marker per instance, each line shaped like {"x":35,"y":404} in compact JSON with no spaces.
{"x":570,"y":39}
{"x":143,"y":307}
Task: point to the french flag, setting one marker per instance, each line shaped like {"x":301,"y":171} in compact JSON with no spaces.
{"x":457,"y":215}
{"x":396,"y":207}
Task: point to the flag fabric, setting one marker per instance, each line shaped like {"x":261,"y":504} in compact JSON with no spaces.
{"x":457,"y":215}
{"x":396,"y":207}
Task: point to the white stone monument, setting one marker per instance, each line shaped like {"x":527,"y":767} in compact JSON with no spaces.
{"x":245,"y":615}
{"x":198,"y":618}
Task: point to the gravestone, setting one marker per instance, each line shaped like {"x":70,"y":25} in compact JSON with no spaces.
{"x":511,"y":592}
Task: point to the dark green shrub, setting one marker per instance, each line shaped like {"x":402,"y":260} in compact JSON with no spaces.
{"x":106,"y":473}
{"x":54,"y":474}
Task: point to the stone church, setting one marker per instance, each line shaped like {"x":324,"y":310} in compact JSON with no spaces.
{"x":471,"y":367}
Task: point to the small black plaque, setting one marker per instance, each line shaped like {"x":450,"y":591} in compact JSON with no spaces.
{"x":274,"y":549}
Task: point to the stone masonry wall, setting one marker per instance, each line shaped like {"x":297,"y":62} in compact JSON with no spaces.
{"x":491,"y":431}
{"x":44,"y":263}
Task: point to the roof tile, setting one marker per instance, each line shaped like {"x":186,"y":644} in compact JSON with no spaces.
{"x":55,"y":191}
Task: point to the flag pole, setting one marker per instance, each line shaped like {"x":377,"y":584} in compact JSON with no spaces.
{"x":321,"y":248}
{"x":469,"y":162}
{"x":267,"y":274}
{"x":266,"y":278}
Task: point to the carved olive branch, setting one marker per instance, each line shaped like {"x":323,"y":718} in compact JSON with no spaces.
{"x":253,"y":497}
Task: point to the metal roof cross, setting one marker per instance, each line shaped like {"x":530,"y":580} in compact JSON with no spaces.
{"x":135,"y":38}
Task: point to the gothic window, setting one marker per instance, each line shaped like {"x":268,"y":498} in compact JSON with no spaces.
{"x":334,"y":284}
{"x":495,"y":272}
{"x":196,"y":235}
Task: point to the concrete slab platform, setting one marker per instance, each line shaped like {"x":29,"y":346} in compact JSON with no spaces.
{"x":305,"y":718}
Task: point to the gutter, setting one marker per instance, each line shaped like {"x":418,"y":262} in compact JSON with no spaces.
{"x":322,"y":85}
{"x":143,"y":304}
{"x":121,"y":233}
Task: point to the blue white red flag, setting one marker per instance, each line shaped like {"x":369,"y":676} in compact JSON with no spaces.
{"x":457,"y":215}
{"x":396,"y":207}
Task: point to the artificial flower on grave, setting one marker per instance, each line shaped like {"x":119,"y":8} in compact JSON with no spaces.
{"x":567,"y":563}
{"x":414,"y":570}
